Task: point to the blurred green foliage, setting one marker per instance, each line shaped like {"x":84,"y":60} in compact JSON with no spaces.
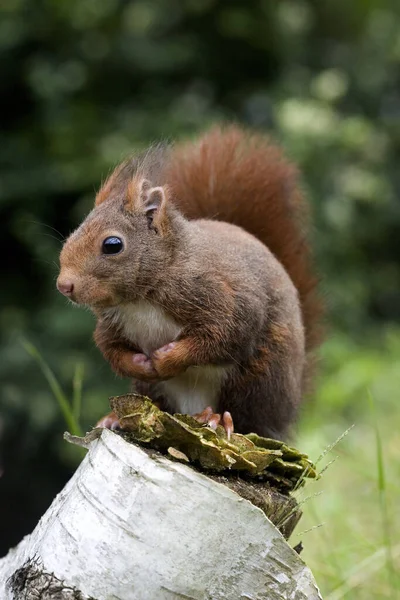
{"x":83,"y":83}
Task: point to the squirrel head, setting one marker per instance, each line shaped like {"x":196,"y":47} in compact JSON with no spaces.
{"x":123,"y":243}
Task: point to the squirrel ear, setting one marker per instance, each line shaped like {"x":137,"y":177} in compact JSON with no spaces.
{"x":142,"y":197}
{"x":154,"y":203}
{"x":155,"y":199}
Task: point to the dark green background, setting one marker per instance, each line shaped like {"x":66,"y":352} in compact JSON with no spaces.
{"x":83,"y":83}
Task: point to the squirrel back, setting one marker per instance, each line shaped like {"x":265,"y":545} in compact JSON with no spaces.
{"x":241,"y":178}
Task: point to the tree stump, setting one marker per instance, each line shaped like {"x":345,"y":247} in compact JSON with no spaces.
{"x":133,"y":524}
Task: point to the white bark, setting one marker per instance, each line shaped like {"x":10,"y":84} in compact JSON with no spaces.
{"x":132,"y":526}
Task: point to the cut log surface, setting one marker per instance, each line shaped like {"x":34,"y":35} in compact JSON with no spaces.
{"x":133,"y":525}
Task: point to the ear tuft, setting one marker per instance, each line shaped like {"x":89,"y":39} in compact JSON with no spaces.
{"x":144,"y":188}
{"x":113,"y":182}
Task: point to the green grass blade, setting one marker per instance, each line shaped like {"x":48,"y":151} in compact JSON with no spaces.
{"x":381,"y":481}
{"x":77,"y":390}
{"x":359,"y":575}
{"x":321,"y":456}
{"x":311,"y":529}
{"x":333,"y":445}
{"x":55,"y":388}
{"x":286,"y":517}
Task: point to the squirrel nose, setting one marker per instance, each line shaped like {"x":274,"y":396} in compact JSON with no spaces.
{"x":65,"y":287}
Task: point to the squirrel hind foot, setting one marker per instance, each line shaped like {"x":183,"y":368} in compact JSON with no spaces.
{"x":212,"y":419}
{"x":109,"y":421}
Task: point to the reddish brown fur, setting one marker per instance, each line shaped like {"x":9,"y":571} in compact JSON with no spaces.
{"x":243,"y":179}
{"x":119,"y":354}
{"x":231,"y":301}
{"x":133,"y":192}
{"x":108,"y":186}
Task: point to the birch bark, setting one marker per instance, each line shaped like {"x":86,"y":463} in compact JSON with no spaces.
{"x":132,"y":525}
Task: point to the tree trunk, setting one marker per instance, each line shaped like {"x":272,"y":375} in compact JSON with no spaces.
{"x":134,"y":525}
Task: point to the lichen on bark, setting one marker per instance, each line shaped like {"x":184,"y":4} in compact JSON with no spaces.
{"x":183,"y":438}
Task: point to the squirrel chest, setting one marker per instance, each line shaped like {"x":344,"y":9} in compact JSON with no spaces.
{"x":149,"y":327}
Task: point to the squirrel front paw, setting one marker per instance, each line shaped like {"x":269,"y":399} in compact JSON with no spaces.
{"x":170,"y":360}
{"x":136,"y":365}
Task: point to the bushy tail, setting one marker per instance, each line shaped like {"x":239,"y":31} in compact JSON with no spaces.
{"x":242,"y":178}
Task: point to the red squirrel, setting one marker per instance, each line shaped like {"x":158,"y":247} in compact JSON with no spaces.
{"x":196,"y":263}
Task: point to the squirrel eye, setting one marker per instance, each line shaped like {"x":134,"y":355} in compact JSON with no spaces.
{"x":112,"y":245}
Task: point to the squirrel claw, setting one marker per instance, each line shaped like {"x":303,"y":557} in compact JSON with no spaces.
{"x":212,"y":419}
{"x":227,"y":423}
{"x":204,"y":416}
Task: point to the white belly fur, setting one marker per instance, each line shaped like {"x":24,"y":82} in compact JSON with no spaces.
{"x":149,"y":327}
